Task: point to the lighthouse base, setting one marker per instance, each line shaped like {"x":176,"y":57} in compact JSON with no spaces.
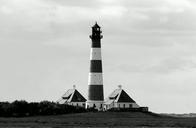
{"x":95,"y":104}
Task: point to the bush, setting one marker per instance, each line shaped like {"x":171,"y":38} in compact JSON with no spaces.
{"x":23,"y":108}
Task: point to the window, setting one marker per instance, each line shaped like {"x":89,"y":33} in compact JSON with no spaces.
{"x":130,"y":105}
{"x":77,"y":104}
{"x":123,"y":105}
{"x":119,"y":105}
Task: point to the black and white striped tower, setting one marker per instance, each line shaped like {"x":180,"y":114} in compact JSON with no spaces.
{"x":95,"y":80}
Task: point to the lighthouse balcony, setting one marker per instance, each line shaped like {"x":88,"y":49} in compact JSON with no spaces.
{"x":96,"y":36}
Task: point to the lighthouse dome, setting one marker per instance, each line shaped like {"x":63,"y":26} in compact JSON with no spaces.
{"x":96,"y":25}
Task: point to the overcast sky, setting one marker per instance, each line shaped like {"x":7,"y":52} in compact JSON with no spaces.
{"x":149,"y":47}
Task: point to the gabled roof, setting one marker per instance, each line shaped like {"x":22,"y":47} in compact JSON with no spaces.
{"x":77,"y":97}
{"x":72,"y":95}
{"x":68,"y":94}
{"x":119,"y":95}
{"x":124,"y":97}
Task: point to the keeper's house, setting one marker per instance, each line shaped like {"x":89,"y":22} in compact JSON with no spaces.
{"x":119,"y":99}
{"x":72,"y":97}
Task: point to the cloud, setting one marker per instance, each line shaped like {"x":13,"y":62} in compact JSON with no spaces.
{"x":172,"y":65}
{"x":40,"y":18}
{"x":73,"y":3}
{"x":165,"y":66}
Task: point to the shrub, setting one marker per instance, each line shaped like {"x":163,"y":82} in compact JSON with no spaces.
{"x":23,"y":108}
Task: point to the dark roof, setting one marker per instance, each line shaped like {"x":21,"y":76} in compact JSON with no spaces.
{"x":124,"y":97}
{"x":72,"y":95}
{"x":77,"y":97}
{"x":119,"y":95}
{"x":96,"y":25}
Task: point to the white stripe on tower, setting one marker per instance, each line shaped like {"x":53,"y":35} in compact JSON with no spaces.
{"x":95,"y":79}
{"x":95,"y":54}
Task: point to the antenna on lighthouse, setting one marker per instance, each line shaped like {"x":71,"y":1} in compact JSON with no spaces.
{"x":74,"y":86}
{"x":120,"y":86}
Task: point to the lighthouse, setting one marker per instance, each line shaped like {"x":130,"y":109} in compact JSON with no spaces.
{"x":95,"y":79}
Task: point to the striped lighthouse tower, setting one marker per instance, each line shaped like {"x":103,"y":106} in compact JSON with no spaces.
{"x":95,"y":79}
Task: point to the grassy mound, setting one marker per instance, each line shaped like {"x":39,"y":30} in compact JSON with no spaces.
{"x":100,"y":119}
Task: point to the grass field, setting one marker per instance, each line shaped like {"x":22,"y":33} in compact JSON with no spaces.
{"x":99,"y":119}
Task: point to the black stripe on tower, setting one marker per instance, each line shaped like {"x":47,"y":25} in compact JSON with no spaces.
{"x":96,"y":66}
{"x":96,"y":44}
{"x":97,"y":92}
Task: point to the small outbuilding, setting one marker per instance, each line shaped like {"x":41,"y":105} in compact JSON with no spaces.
{"x":119,"y":99}
{"x":72,"y":97}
